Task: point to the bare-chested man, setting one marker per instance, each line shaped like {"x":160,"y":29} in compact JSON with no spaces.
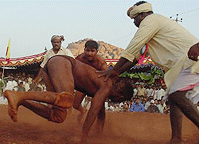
{"x":62,"y":75}
{"x":90,"y":57}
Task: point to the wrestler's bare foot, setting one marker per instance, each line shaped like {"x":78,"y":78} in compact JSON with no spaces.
{"x":13,"y":104}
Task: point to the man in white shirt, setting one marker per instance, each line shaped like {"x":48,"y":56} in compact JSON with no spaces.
{"x":169,"y":44}
{"x":56,"y":50}
{"x":149,"y":91}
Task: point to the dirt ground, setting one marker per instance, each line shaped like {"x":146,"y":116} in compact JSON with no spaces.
{"x":120,"y":128}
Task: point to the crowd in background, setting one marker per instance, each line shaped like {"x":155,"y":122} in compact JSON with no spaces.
{"x":20,"y":82}
{"x":146,"y":98}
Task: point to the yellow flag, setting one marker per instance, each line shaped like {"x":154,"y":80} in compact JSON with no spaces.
{"x":8,"y":51}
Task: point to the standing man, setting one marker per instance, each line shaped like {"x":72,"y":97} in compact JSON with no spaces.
{"x":169,"y":44}
{"x":57,"y":49}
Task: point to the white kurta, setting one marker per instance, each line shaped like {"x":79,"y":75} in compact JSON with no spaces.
{"x":168,"y":43}
{"x":51,"y":53}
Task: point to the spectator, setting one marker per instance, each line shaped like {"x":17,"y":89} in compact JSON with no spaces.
{"x":135,"y":90}
{"x":15,"y":83}
{"x":9,"y":84}
{"x":137,"y":106}
{"x":21,"y":87}
{"x":26,"y":85}
{"x":161,"y":106}
{"x":160,"y":92}
{"x":149,"y":91}
{"x":153,"y":108}
{"x":57,"y":49}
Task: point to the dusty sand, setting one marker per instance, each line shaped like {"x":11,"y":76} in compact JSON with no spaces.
{"x":120,"y":128}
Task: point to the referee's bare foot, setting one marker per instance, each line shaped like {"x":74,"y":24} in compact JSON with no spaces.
{"x":13,"y":103}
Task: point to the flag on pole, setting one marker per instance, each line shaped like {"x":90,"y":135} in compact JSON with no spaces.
{"x":8,"y":51}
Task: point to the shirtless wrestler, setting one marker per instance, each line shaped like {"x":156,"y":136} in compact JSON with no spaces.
{"x":90,"y":57}
{"x":64,"y":74}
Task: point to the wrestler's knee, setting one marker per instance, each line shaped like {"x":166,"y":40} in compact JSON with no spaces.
{"x":64,"y":100}
{"x":58,"y":115}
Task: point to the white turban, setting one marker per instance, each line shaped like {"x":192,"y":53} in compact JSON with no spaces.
{"x":57,"y":36}
{"x":135,"y":10}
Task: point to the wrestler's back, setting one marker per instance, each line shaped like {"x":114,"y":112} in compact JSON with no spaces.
{"x":86,"y":78}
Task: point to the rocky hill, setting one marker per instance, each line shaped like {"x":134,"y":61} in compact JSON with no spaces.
{"x":107,"y":51}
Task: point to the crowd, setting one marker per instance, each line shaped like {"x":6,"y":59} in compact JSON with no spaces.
{"x":146,"y":98}
{"x":20,"y":82}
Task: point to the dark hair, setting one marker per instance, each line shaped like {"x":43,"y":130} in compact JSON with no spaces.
{"x":140,"y":2}
{"x":91,"y":43}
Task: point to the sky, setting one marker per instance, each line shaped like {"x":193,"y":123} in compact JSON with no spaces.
{"x":31,"y":23}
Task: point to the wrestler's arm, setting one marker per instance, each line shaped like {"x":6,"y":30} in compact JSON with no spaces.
{"x":36,"y":80}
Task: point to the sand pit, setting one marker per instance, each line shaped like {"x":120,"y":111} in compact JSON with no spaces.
{"x":120,"y":128}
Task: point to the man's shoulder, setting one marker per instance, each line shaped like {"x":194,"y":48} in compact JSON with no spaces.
{"x":80,"y":56}
{"x":49,"y":51}
{"x":154,"y":19}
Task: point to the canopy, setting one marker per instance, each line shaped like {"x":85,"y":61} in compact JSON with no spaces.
{"x":17,"y":62}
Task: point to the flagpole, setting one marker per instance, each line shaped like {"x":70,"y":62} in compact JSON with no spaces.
{"x":2,"y":74}
{"x":7,"y":58}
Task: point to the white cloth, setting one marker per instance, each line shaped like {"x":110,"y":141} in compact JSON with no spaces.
{"x":149,"y":92}
{"x":51,"y":53}
{"x":26,"y":86}
{"x":9,"y":85}
{"x":15,"y":85}
{"x":185,"y":79}
{"x":145,"y":7}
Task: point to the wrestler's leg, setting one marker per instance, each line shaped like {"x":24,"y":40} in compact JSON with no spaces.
{"x":64,"y":99}
{"x":178,"y":99}
{"x":77,"y":105}
{"x":52,"y":113}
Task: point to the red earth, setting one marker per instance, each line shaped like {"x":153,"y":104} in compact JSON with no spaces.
{"x":120,"y":128}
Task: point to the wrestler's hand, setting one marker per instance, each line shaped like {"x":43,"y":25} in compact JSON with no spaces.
{"x":193,"y":52}
{"x":110,"y":73}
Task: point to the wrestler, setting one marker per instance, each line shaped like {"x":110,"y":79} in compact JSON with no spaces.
{"x":90,"y":57}
{"x":169,"y":47}
{"x":62,"y":75}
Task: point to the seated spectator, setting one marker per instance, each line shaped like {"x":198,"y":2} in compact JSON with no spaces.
{"x":126,"y":107}
{"x":21,"y":87}
{"x":137,"y":106}
{"x":161,"y":106}
{"x":26,"y":85}
{"x":153,"y":108}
